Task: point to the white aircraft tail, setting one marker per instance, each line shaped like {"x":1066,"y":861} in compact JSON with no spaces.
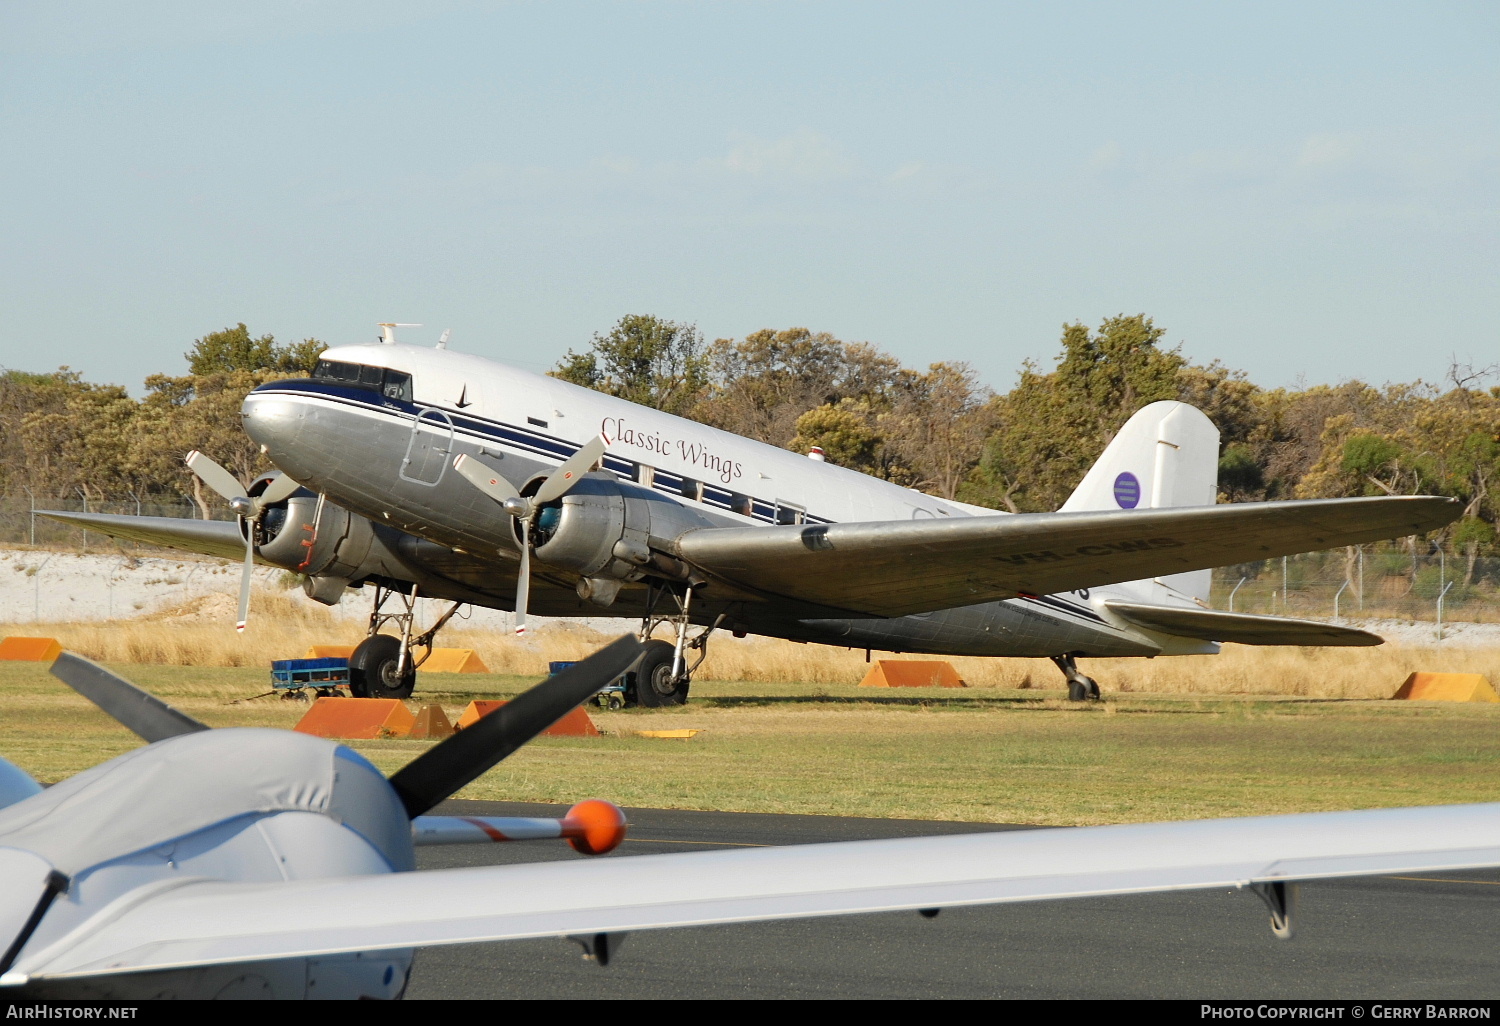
{"x":1167,"y":455}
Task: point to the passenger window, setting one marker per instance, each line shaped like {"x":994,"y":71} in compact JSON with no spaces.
{"x":787,"y":514}
{"x":741,"y":504}
{"x":397,"y":385}
{"x":692,"y":489}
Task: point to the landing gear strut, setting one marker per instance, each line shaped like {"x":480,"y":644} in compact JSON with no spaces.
{"x":662,"y":675}
{"x":385,"y":665}
{"x":1080,"y":688}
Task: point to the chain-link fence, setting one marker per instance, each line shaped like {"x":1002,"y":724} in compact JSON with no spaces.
{"x":1383,"y":580}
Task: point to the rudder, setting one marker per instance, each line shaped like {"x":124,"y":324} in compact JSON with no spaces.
{"x":1165,"y":456}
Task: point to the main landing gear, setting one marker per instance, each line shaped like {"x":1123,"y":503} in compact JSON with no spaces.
{"x":662,"y":675}
{"x":385,"y":665}
{"x":1080,"y":688}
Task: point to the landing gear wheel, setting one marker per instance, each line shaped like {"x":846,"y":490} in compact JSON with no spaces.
{"x":1094,"y":689}
{"x":372,"y":669}
{"x":1078,"y":691}
{"x":654,"y":686}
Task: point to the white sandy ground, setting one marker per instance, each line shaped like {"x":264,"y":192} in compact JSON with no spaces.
{"x":38,"y":586}
{"x":53,"y":587}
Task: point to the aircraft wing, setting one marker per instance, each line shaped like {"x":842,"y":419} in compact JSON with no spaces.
{"x":1240,"y":628}
{"x":911,"y":566}
{"x":205,"y":922}
{"x":220,"y":538}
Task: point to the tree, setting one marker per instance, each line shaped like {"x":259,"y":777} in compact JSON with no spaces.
{"x":645,"y":360}
{"x":844,"y":432}
{"x":230,"y":350}
{"x":1051,"y":427}
{"x":938,"y":426}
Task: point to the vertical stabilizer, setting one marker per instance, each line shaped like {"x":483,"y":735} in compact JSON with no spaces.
{"x":1167,"y":455}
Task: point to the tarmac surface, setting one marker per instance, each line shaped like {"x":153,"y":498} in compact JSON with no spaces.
{"x":1376,"y":937}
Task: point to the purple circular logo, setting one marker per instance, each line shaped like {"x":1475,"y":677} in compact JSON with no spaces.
{"x":1127,"y":490}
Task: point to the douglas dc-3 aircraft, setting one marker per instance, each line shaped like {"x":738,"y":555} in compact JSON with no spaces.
{"x":424,"y":471}
{"x":265,"y":863}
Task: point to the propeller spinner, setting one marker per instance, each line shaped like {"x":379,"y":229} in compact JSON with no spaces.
{"x":248,"y":509}
{"x":554,"y":486}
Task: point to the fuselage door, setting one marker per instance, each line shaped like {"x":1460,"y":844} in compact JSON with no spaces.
{"x":430,"y":448}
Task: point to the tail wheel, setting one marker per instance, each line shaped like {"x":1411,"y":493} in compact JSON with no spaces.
{"x":372,"y":669}
{"x":654,"y":684}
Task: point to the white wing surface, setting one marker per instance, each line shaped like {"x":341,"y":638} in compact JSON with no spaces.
{"x":204,"y":922}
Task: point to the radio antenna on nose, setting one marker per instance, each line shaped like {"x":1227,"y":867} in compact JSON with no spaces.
{"x":443,"y":341}
{"x":388,"y":330}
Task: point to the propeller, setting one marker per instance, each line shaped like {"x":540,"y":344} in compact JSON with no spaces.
{"x":452,"y":763}
{"x":554,"y":486}
{"x":145,"y":714}
{"x":248,"y":510}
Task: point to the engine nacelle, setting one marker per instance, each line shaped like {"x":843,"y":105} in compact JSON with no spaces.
{"x":606,"y":529}
{"x":330,"y":548}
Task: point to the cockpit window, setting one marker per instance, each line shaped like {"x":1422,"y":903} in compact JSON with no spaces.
{"x":392,"y":384}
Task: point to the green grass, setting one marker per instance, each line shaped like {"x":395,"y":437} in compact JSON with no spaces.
{"x":974,"y":754}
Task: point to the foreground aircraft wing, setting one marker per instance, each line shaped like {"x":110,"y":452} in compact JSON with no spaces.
{"x":204,"y":922}
{"x":220,"y":538}
{"x":1240,"y":628}
{"x":911,"y":566}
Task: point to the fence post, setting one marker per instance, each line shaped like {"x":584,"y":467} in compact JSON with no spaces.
{"x":1361,"y":578}
{"x":1283,"y":585}
{"x":1231,"y":594}
{"x":31,"y":504}
{"x":1336,"y":597}
{"x":1440,"y":611}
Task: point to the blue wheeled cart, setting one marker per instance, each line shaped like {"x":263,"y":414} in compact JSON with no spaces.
{"x":611,"y":696}
{"x":293,"y":677}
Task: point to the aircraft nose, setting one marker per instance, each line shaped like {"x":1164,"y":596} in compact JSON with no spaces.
{"x":272,"y":421}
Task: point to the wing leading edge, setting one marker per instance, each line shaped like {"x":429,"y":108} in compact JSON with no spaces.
{"x":206,"y":922}
{"x":220,"y":538}
{"x":901,"y":567}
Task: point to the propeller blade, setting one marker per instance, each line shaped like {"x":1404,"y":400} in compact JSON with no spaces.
{"x":486,"y":480}
{"x":215,"y":476}
{"x":442,"y":770}
{"x":146,"y":715}
{"x":280,"y":488}
{"x":562,"y":480}
{"x":244,"y":614}
{"x":523,"y":577}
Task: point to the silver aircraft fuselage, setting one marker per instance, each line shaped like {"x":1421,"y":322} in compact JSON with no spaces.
{"x":388,"y":456}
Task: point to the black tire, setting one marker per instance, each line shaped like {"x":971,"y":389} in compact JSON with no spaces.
{"x":1078,"y":691}
{"x":652,"y":678}
{"x":372,"y":669}
{"x":1094,"y":690}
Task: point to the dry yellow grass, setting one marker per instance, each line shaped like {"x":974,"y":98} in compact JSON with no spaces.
{"x":285,"y":625}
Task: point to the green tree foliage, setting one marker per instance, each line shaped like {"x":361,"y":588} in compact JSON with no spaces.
{"x":230,"y":350}
{"x":645,"y":360}
{"x":1052,"y":426}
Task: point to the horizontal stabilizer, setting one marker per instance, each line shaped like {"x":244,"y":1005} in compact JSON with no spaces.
{"x":896,"y":568}
{"x":1240,"y":628}
{"x":220,"y":538}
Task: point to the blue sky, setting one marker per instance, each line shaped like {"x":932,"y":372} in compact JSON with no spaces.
{"x":1307,"y":192}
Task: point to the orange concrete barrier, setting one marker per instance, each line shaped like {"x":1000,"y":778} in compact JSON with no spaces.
{"x":912,"y":673}
{"x":432,"y":723}
{"x":1447,"y":687}
{"x":575,"y":724}
{"x":357,"y":718}
{"x":329,"y":652}
{"x":31,"y":650}
{"x":453,"y":660}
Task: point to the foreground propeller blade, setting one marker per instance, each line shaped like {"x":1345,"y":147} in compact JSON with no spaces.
{"x":146,"y":715}
{"x":562,"y":480}
{"x":439,"y":772}
{"x":486,"y":480}
{"x":523,"y":577}
{"x":243,"y":616}
{"x":215,"y":476}
{"x":280,"y":488}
